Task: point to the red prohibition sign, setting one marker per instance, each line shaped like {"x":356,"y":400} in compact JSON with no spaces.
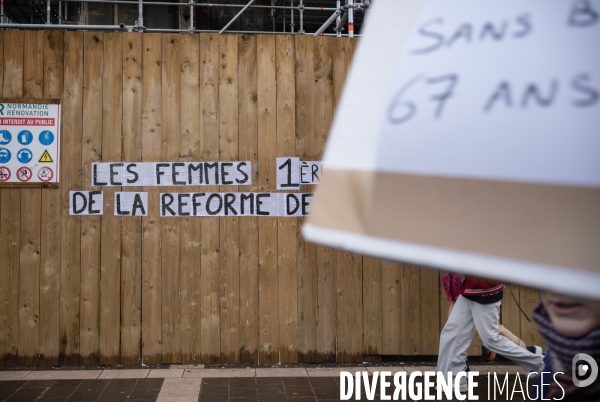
{"x":45,"y":174}
{"x":4,"y":173}
{"x":24,"y":173}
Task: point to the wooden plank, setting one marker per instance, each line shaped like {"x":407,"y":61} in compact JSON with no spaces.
{"x":170,"y":151}
{"x":209,"y":151}
{"x":248,"y":151}
{"x":110,"y":264}
{"x":131,"y":254}
{"x":349,"y":283}
{"x":287,"y":227}
{"x":349,"y":273}
{"x":151,"y":140}
{"x":267,"y":226}
{"x":4,"y":289}
{"x":410,"y":332}
{"x":31,"y":203}
{"x":510,"y":315}
{"x":306,"y":256}
{"x":229,"y":226}
{"x":190,"y":226}
{"x":429,"y":297}
{"x":391,"y":280}
{"x":89,"y":308}
{"x":529,"y":330}
{"x":372,"y":306}
{"x":10,"y":221}
{"x":70,"y":176}
{"x":326,"y":256}
{"x":51,"y":213}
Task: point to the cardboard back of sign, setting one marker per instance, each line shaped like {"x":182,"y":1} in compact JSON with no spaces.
{"x":476,"y":146}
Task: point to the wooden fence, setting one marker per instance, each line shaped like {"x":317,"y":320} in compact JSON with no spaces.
{"x":121,"y":290}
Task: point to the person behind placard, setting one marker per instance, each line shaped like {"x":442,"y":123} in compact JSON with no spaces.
{"x":451,"y":283}
{"x":570,"y":326}
{"x":478,"y":307}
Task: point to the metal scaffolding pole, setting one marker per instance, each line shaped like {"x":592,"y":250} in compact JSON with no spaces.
{"x":140,"y":21}
{"x":301,"y":16}
{"x":350,"y":4}
{"x":327,"y":23}
{"x":191,"y":15}
{"x":236,"y":16}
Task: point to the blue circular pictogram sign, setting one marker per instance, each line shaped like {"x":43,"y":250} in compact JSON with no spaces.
{"x":25,"y":137}
{"x":46,"y":137}
{"x":4,"y":155}
{"x":24,"y":155}
{"x":5,"y":137}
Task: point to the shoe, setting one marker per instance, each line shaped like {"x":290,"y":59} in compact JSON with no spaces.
{"x":487,"y":354}
{"x":535,"y":349}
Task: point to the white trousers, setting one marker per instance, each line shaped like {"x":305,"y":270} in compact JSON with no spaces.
{"x":456,"y":337}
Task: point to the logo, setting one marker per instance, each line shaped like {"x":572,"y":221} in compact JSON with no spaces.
{"x":24,"y":173}
{"x":4,"y":173}
{"x":585,"y":370}
{"x":46,"y":137}
{"x":2,"y":109}
{"x":5,"y":137}
{"x":25,"y":137}
{"x":24,"y":155}
{"x":45,"y":174}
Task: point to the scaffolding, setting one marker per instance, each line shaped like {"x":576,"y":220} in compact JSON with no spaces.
{"x":338,"y":15}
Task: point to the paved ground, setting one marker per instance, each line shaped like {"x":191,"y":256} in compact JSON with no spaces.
{"x":197,"y":384}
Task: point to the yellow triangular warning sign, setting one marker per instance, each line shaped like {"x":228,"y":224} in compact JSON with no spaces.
{"x":46,"y":157}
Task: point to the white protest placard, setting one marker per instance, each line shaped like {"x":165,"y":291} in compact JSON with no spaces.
{"x":131,"y":204}
{"x":171,"y":173}
{"x":86,"y":203}
{"x":29,"y":142}
{"x":292,"y":173}
{"x":288,"y":173}
{"x":477,"y":144}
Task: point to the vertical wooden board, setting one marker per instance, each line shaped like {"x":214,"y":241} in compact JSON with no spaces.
{"x":11,"y":203}
{"x":3,"y":246}
{"x":229,"y":226}
{"x":10,"y":217}
{"x":131,"y":246}
{"x":151,"y":147}
{"x":372,"y":291}
{"x":349,"y":266}
{"x":429,"y":297}
{"x":410,"y":305}
{"x":93,"y":49}
{"x":33,"y":64}
{"x":210,"y":341}
{"x":510,"y":316}
{"x":31,"y":203}
{"x":349,"y":283}
{"x":248,"y":151}
{"x":287,"y":227}
{"x":529,"y":330}
{"x":326,"y":256}
{"x":190,"y":226}
{"x":170,"y":151}
{"x":70,"y":177}
{"x":306,"y":257}
{"x":444,"y":305}
{"x":267,"y":226}
{"x":391,"y":304}
{"x":50,"y":220}
{"x":110,"y":264}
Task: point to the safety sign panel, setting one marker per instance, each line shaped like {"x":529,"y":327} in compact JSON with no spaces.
{"x":29,"y":141}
